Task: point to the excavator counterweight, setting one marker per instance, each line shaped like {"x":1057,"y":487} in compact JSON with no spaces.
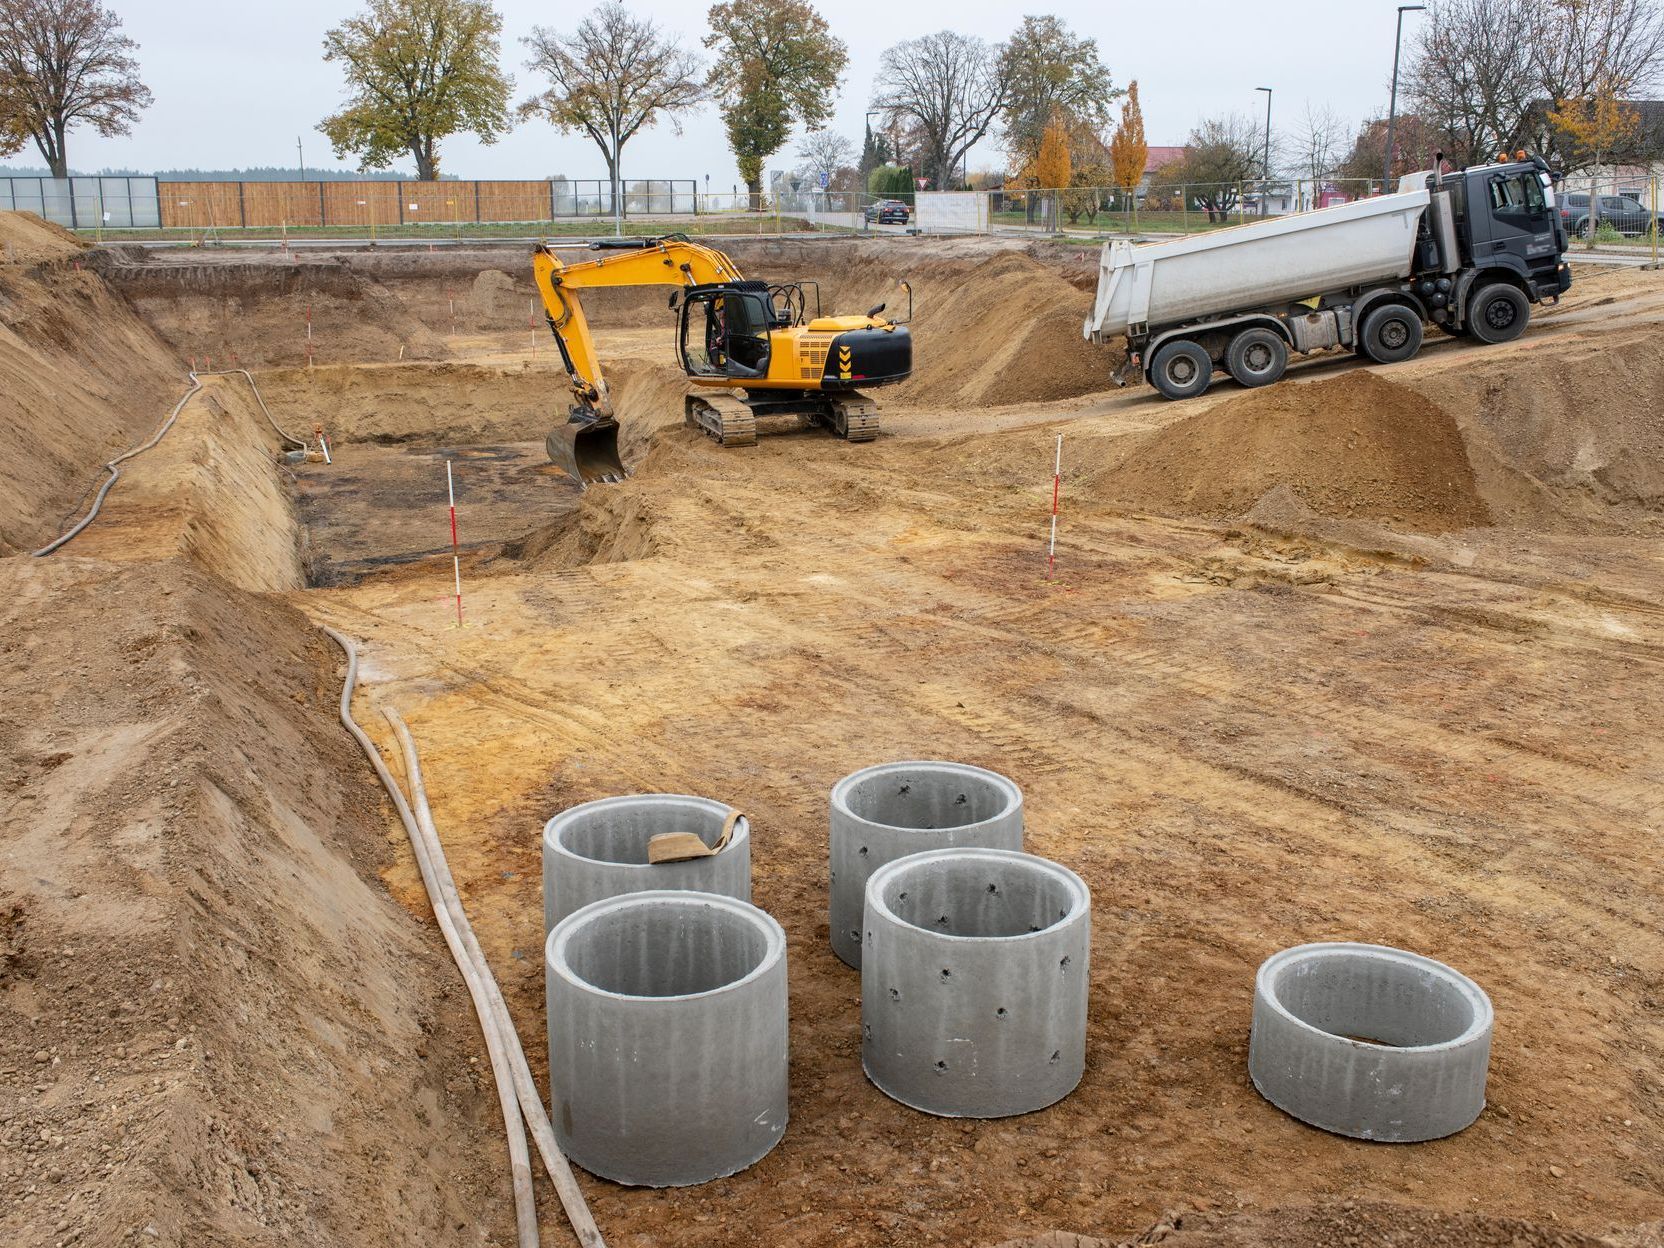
{"x":751,"y":349}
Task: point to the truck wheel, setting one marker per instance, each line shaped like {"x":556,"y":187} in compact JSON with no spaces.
{"x":1391,"y":334}
{"x":1498,"y":313}
{"x":1181,"y":370}
{"x":1256,"y":357}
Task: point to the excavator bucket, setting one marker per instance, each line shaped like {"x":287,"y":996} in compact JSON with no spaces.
{"x":587,"y":450}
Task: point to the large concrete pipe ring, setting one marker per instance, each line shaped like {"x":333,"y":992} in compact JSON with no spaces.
{"x":973,"y":981}
{"x":599,"y":850}
{"x":667,"y":1037}
{"x":886,"y":812}
{"x":1370,"y":1042}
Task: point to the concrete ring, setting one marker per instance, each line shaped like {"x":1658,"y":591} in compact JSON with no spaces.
{"x":883,"y":813}
{"x":599,"y":850}
{"x":667,"y":1037}
{"x":974,"y":980}
{"x":1370,"y":1042}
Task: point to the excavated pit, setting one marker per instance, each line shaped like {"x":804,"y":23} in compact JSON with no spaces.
{"x":1448,"y":751}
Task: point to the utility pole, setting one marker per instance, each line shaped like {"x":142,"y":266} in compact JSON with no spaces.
{"x":1392,"y":108}
{"x":1265,"y":186}
{"x":299,"y":156}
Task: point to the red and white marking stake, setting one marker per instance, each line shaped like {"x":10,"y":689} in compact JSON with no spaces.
{"x":1057,"y":488}
{"x":456,"y":557}
{"x":309,"y":335}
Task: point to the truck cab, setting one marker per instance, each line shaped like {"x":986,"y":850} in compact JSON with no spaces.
{"x":1506,"y":218}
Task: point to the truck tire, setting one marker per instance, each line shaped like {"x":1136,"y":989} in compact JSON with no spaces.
{"x":1391,"y":334}
{"x":1498,"y":312}
{"x":1181,"y":369}
{"x":1256,"y":357}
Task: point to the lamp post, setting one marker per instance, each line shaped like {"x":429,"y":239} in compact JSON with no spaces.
{"x":1392,"y":107}
{"x":1265,"y":186}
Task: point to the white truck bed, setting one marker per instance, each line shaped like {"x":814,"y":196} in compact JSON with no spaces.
{"x":1278,"y":260}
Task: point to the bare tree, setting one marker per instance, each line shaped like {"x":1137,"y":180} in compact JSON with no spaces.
{"x":949,"y":88}
{"x":825,"y":152}
{"x":1471,"y":73}
{"x":1485,"y":73}
{"x":1595,"y":46}
{"x":64,"y":62}
{"x":1319,"y":142}
{"x":614,"y":76}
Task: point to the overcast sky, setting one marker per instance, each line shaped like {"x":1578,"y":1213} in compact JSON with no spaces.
{"x":235,"y":84}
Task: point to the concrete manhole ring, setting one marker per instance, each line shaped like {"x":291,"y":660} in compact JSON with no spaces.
{"x":599,"y":850}
{"x":883,"y":813}
{"x":667,"y":1037}
{"x":1370,"y":1042}
{"x":974,"y":981}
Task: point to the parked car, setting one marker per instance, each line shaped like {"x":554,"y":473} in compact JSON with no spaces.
{"x":888,"y":212}
{"x":1623,"y":213}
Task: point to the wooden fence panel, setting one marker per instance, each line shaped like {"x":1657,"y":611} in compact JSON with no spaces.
{"x":514,"y":201}
{"x":283,"y":203}
{"x":268,"y":205}
{"x":200,"y":205}
{"x":361,"y":203}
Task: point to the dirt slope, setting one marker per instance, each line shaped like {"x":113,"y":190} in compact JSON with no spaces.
{"x":211,"y":490}
{"x":215,"y":1026}
{"x":28,"y":239}
{"x":81,"y":379}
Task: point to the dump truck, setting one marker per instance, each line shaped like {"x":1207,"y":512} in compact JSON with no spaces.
{"x":1468,"y":252}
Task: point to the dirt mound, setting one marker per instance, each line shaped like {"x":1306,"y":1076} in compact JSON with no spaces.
{"x":991,"y":327}
{"x":221,"y":1028}
{"x":1355,"y":446}
{"x":81,"y":380}
{"x":611,"y":525}
{"x":28,"y":239}
{"x":1570,"y":438}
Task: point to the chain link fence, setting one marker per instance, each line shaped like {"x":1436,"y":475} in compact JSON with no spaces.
{"x":1618,"y":214}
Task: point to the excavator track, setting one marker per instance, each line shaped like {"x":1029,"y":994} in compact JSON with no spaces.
{"x":854,"y":417}
{"x":722,"y":417}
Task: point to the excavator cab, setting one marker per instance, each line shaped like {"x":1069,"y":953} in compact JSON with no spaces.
{"x":725,"y":330}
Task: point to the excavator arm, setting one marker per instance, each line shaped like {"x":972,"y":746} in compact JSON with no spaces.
{"x":587,"y":445}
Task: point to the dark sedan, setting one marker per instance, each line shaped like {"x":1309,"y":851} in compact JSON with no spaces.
{"x":1623,"y":213}
{"x":888,"y":212}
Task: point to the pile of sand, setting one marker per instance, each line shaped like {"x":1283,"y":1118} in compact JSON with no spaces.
{"x":28,"y":239}
{"x":1354,"y":446}
{"x":1568,"y":436}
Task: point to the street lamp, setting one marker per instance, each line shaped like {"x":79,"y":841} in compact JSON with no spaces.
{"x":1392,"y":108}
{"x":1264,"y":187}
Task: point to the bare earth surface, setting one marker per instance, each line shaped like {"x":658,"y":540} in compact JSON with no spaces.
{"x":1371,"y":655}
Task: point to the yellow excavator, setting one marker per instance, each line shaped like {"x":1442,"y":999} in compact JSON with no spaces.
{"x":750,"y":348}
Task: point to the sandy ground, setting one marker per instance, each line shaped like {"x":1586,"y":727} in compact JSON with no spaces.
{"x":1244,"y":737}
{"x":1359,"y":693}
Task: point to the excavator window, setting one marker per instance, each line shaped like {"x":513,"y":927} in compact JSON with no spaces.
{"x":725,"y":333}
